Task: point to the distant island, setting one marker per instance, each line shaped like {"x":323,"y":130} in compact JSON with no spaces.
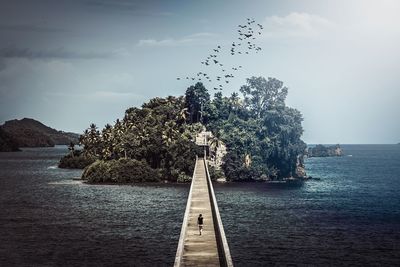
{"x":32,"y":133}
{"x":252,"y":137}
{"x":325,"y":151}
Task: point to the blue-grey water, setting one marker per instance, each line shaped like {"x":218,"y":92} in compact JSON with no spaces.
{"x":351,"y":217}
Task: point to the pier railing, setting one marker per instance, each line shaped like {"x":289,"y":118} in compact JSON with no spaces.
{"x":223,"y":247}
{"x":181,"y":242}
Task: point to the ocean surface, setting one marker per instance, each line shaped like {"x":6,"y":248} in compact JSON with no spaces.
{"x":350,"y":217}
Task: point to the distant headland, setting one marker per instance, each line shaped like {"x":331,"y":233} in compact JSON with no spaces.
{"x":324,"y":151}
{"x":27,"y":132}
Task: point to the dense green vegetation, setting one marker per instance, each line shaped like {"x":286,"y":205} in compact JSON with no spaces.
{"x":156,"y":142}
{"x":156,"y":135}
{"x":123,"y":170}
{"x":262,"y":134}
{"x":7,"y":143}
{"x":32,"y":133}
{"x":76,"y":160}
{"x":325,"y":151}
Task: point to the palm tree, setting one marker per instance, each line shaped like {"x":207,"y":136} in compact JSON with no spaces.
{"x":91,"y":141}
{"x":71,"y":148}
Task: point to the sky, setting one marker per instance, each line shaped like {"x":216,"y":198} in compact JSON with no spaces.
{"x":69,"y":63}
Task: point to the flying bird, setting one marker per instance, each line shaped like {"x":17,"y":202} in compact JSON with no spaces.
{"x":242,"y":44}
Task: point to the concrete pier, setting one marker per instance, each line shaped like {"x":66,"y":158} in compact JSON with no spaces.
{"x":210,"y":248}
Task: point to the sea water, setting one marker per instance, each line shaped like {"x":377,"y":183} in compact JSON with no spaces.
{"x":351,"y":216}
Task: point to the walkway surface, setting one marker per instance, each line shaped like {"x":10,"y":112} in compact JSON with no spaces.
{"x":200,"y":250}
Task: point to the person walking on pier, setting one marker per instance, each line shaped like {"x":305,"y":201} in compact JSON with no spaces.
{"x":200,"y":223}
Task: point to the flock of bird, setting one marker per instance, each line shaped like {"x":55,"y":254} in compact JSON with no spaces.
{"x":243,"y":45}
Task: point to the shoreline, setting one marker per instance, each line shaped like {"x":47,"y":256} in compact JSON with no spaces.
{"x":272,"y":182}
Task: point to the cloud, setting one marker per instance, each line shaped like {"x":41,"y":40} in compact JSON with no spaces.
{"x":102,"y":94}
{"x":30,"y":28}
{"x":2,"y":65}
{"x":201,"y":38}
{"x":61,"y":53}
{"x":124,"y":6}
{"x":297,"y":25}
{"x":113,"y":94}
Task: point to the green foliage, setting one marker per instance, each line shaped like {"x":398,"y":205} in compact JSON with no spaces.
{"x":157,"y":133}
{"x":7,"y":142}
{"x":91,"y":140}
{"x":183,"y":178}
{"x":215,"y":173}
{"x":261,"y":95}
{"x":325,"y":151}
{"x":120,"y":171}
{"x":197,"y":101}
{"x":262,"y":134}
{"x":76,"y":160}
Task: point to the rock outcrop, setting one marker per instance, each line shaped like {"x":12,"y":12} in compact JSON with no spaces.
{"x":324,"y":151}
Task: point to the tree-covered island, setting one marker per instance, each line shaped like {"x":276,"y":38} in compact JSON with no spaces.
{"x":259,"y":134}
{"x":324,"y":151}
